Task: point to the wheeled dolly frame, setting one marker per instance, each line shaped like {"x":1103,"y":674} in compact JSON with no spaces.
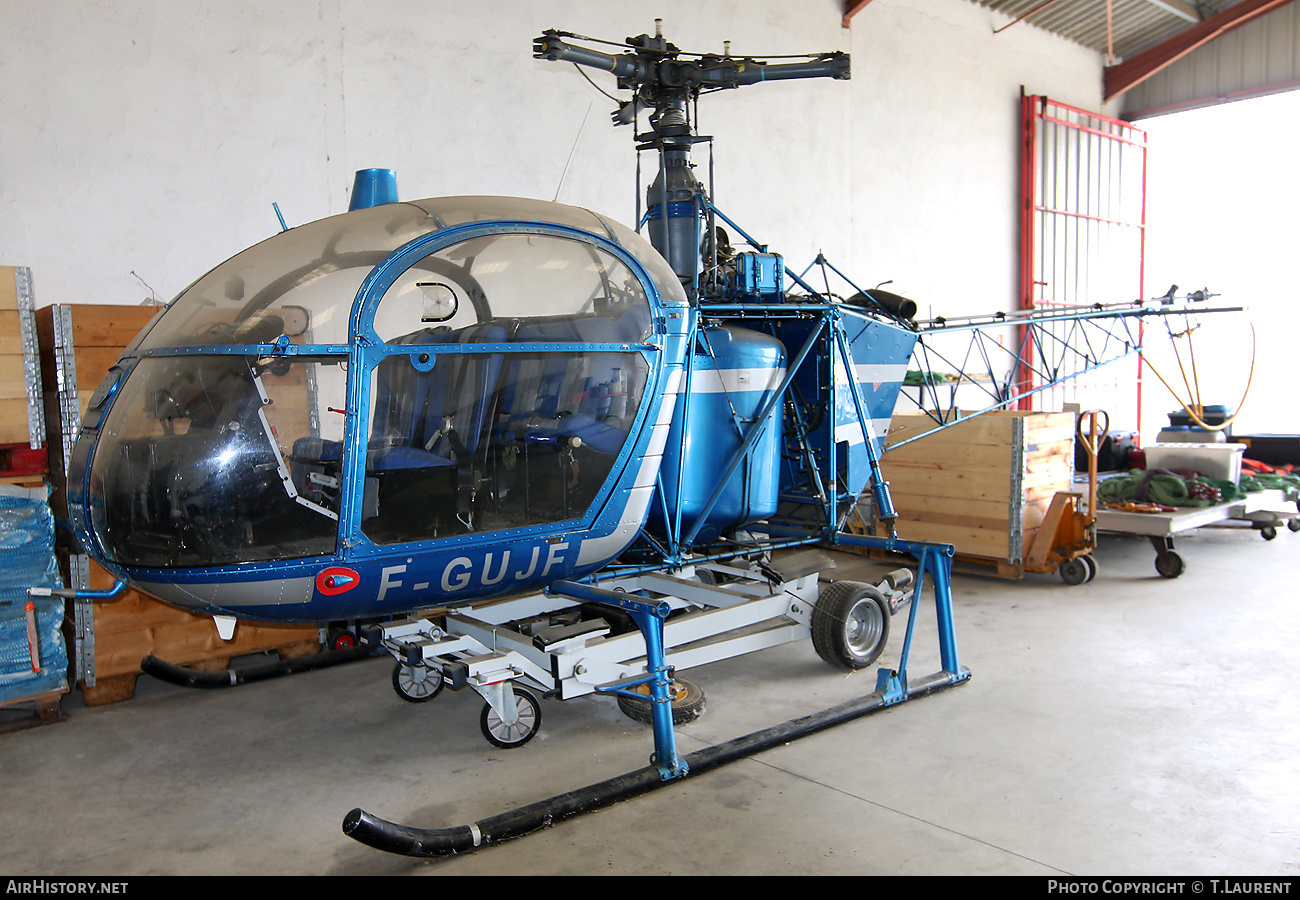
{"x":688,"y":612}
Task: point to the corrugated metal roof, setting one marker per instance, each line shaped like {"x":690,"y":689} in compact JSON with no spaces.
{"x":1262,"y":57}
{"x":1136,"y":25}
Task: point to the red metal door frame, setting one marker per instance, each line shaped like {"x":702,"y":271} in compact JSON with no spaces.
{"x":1083,"y":217}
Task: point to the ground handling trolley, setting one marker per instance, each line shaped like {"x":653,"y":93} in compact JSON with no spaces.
{"x":613,"y":638}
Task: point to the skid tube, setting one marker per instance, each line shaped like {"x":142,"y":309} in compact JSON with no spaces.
{"x":892,"y":688}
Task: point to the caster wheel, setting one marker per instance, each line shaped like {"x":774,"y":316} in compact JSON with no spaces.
{"x":1268,"y":532}
{"x":1092,"y":567}
{"x":687,"y":703}
{"x":417,"y":684}
{"x":520,"y":732}
{"x":1293,"y":524}
{"x":1170,"y":564}
{"x":1075,"y":571}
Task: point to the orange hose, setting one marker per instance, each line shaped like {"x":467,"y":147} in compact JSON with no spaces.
{"x":1195,"y":416}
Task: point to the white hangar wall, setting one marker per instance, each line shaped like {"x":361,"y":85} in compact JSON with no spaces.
{"x":936,"y":145}
{"x":144,"y":141}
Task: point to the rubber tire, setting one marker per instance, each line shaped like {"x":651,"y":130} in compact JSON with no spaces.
{"x":687,"y":704}
{"x":1268,"y":532}
{"x":1074,"y":571}
{"x":405,"y":686}
{"x":1293,"y":524}
{"x":530,"y":722}
{"x":842,"y":610}
{"x":1091,"y":563}
{"x":1170,"y":564}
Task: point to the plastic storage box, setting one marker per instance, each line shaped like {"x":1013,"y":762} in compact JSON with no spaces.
{"x":1221,"y":462}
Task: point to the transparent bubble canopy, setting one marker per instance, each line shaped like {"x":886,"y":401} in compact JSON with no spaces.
{"x":485,"y":357}
{"x":306,"y":278}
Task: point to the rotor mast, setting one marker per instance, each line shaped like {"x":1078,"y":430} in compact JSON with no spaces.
{"x":666,"y":82}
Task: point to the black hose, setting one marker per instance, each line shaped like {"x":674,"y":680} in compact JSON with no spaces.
{"x":430,"y":842}
{"x":893,"y":304}
{"x":174,"y":674}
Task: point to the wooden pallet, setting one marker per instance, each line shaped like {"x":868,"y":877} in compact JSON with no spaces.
{"x":44,"y":709}
{"x":962,"y":563}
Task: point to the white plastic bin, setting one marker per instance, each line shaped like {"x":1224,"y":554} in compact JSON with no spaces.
{"x":1221,"y":462}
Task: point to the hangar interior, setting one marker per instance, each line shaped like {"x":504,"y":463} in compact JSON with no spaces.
{"x":1137,"y":723}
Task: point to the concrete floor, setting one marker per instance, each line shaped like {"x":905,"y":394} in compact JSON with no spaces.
{"x":1133,"y":725}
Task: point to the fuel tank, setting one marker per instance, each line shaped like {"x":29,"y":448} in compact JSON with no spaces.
{"x":734,"y":374}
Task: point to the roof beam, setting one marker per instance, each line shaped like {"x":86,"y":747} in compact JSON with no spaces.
{"x":1180,"y":8}
{"x":1120,"y":78}
{"x":851,"y":9}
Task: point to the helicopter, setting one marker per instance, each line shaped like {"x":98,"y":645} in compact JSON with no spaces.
{"x":401,"y":402}
{"x":436,"y":402}
{"x":533,"y":450}
{"x":585,"y":448}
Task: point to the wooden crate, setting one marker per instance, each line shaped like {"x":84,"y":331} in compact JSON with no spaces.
{"x":120,"y":633}
{"x":79,"y":344}
{"x":21,"y":418}
{"x":984,"y":485}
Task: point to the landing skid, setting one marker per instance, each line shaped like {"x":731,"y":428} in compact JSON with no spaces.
{"x":408,"y":840}
{"x":700,"y":622}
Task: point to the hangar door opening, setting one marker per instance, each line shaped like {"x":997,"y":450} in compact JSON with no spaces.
{"x":1222,"y":214}
{"x":1083,"y":241}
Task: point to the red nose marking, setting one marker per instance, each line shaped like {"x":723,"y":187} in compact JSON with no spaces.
{"x":336,"y":580}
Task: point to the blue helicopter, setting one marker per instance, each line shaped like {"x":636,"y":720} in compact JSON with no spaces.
{"x":582,"y":448}
{"x":434,"y":402}
{"x":413,"y":404}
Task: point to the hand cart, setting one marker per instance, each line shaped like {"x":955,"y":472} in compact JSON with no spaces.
{"x":1263,"y":511}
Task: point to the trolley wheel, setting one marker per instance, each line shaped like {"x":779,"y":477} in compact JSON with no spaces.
{"x":687,"y":702}
{"x":414,"y":690}
{"x":341,"y":639}
{"x":850,"y":624}
{"x":1169,"y":564}
{"x":522,"y":731}
{"x":1293,"y":524}
{"x":1075,"y":571}
{"x":1268,"y":532}
{"x":1091,"y":563}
